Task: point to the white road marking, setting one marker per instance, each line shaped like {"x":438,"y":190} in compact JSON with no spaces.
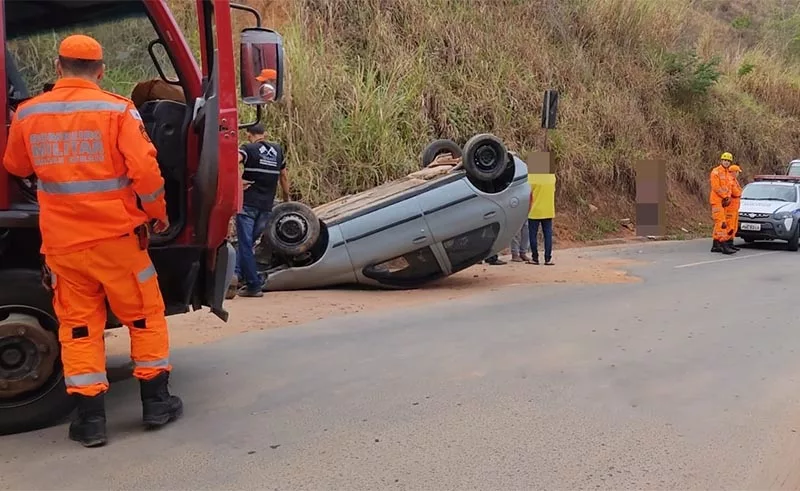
{"x":726,"y":259}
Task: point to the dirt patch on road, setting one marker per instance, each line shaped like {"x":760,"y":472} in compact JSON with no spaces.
{"x":283,"y":309}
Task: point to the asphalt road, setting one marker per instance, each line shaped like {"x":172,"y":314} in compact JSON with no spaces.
{"x":687,"y":380}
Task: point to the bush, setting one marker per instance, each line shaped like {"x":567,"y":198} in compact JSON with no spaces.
{"x":688,"y":77}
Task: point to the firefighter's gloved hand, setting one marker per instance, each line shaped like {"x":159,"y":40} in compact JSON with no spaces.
{"x":160,"y":227}
{"x":726,"y":201}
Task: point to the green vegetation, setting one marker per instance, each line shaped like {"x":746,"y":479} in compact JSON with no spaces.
{"x":369,"y":83}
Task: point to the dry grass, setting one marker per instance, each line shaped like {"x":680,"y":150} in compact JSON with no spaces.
{"x":370,"y":82}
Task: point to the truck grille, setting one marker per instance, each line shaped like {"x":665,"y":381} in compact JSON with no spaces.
{"x":754,"y":215}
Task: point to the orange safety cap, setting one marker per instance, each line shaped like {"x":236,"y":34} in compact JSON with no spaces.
{"x":267,"y":74}
{"x":735,"y":168}
{"x":81,"y":47}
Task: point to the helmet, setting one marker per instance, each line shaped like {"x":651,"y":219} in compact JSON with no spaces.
{"x":726,"y":156}
{"x":735,"y":168}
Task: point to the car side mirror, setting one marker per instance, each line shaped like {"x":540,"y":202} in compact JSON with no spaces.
{"x":261,"y":66}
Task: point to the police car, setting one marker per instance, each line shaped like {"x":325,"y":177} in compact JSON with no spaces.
{"x":770,"y":210}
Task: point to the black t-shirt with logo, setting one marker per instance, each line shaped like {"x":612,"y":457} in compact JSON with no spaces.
{"x":263,"y":162}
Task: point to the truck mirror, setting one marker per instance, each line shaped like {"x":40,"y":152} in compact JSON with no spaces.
{"x":261,"y":66}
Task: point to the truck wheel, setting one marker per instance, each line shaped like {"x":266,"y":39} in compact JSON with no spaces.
{"x":32,"y":391}
{"x":794,"y":242}
{"x":293,"y":229}
{"x":485,"y":157}
{"x":438,"y":147}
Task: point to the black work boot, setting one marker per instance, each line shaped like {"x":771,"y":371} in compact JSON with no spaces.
{"x":726,"y":249}
{"x":89,"y":427}
{"x":716,"y":247}
{"x":158,"y":406}
{"x":730,"y":244}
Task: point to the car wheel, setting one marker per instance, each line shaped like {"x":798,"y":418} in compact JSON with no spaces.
{"x":32,"y":391}
{"x":439,"y":147}
{"x":485,"y":157}
{"x":293,"y":228}
{"x":794,"y":242}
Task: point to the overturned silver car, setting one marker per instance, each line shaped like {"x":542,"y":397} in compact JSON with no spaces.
{"x":402,"y":234}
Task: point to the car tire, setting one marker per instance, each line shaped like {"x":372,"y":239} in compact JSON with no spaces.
{"x":293,"y":228}
{"x":439,"y":147}
{"x":485,"y":157}
{"x":794,"y":241}
{"x":50,"y":403}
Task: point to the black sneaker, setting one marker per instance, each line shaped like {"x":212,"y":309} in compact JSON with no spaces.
{"x":248,"y":293}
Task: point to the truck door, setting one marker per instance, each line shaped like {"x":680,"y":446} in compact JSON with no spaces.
{"x":215,"y":186}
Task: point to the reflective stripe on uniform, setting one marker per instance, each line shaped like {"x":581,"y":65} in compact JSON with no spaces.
{"x":162,"y":363}
{"x":146,"y":273}
{"x":70,"y":107}
{"x":262,"y":171}
{"x":79,"y":187}
{"x":149,"y":198}
{"x":86,"y":379}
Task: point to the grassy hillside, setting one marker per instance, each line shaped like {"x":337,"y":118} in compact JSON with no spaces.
{"x":371,"y":81}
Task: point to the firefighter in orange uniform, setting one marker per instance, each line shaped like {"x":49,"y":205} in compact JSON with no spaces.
{"x":92,"y":157}
{"x":732,"y":211}
{"x":720,"y":199}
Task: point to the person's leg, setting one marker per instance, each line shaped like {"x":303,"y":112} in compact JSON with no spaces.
{"x":131,"y":285}
{"x":79,"y":304}
{"x":260,"y":227}
{"x":245,"y":225}
{"x":533,"y":231}
{"x":525,"y":242}
{"x":547,"y":231}
{"x":515,"y":246}
{"x":720,"y":232}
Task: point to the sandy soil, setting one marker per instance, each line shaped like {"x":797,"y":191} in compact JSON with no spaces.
{"x":284,"y":309}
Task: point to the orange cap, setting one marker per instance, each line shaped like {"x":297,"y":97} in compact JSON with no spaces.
{"x":81,"y":47}
{"x":267,"y":74}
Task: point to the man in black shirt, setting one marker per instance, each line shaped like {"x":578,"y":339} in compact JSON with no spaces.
{"x":264,"y":169}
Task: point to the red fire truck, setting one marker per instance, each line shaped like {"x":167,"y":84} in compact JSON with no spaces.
{"x":196,"y":136}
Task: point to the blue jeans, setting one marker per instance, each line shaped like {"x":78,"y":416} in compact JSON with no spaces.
{"x":250,"y":224}
{"x":547,"y":231}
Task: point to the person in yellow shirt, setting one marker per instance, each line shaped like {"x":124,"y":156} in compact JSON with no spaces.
{"x":542,"y":212}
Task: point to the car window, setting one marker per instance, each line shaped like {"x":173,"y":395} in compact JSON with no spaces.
{"x":409,"y":269}
{"x":466,"y":249}
{"x":124,"y":40}
{"x":794,"y":169}
{"x":770,"y":192}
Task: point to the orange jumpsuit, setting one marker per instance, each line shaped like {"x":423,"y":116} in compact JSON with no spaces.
{"x":92,"y":157}
{"x":720,"y":189}
{"x":732,"y":211}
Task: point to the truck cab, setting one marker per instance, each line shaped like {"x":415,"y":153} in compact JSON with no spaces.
{"x":179,"y":68}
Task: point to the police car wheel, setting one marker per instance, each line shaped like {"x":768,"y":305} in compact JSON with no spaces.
{"x":794,"y":242}
{"x":32,"y":391}
{"x":293,"y":229}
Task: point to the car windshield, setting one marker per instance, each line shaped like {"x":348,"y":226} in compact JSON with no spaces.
{"x":769,"y":192}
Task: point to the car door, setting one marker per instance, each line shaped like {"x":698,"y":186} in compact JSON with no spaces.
{"x":216,"y":180}
{"x":215,"y":183}
{"x":391,"y":245}
{"x":463,"y":223}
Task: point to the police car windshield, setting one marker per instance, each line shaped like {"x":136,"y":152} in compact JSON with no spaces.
{"x":769,"y":192}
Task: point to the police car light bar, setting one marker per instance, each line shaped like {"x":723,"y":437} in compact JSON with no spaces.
{"x":783,"y":178}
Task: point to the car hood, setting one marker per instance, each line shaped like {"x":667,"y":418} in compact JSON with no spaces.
{"x":759,"y":206}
